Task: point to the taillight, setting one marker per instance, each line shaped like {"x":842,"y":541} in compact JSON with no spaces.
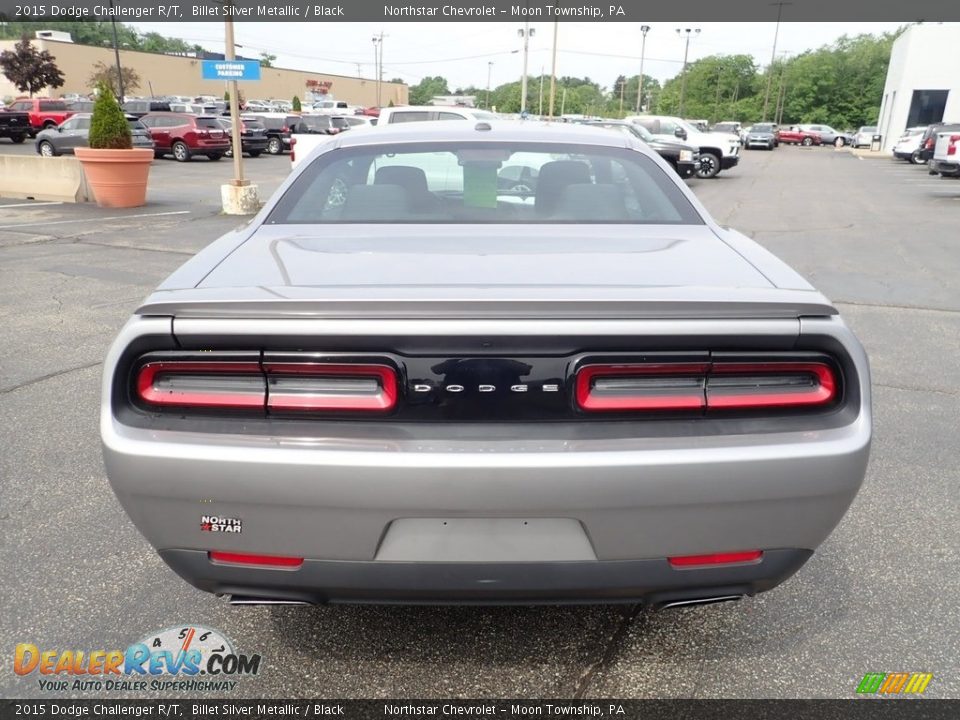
{"x":201,"y":384}
{"x":250,"y":560}
{"x":764,"y":385}
{"x":952,"y":147}
{"x":714,"y":386}
{"x":641,"y":387}
{"x":713,"y":559}
{"x":325,"y":386}
{"x":928,"y":145}
{"x":293,"y":143}
{"x":274,"y":385}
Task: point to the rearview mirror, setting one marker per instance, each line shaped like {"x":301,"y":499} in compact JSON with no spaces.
{"x":680,"y":133}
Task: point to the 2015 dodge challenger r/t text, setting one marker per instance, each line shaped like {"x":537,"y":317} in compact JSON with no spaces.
{"x":413,"y":379}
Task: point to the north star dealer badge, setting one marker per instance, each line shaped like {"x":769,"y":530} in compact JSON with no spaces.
{"x":213,"y":523}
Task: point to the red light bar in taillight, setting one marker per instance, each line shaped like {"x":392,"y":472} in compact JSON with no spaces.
{"x":251,"y":560}
{"x":293,"y":143}
{"x":201,"y":384}
{"x":327,"y":386}
{"x":704,"y":386}
{"x":730,"y":558}
{"x":736,"y":386}
{"x":676,"y":386}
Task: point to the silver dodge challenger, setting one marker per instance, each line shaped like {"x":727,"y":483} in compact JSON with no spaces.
{"x":486,"y":362}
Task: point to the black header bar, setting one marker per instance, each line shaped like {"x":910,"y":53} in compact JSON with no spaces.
{"x":53,"y":11}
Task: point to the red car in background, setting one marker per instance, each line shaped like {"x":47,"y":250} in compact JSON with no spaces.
{"x":183,"y":135}
{"x":44,"y":113}
{"x":793,"y":135}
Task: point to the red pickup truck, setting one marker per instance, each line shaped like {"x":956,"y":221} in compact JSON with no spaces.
{"x":44,"y":112}
{"x":793,"y":135}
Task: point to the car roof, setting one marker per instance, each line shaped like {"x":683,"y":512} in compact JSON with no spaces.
{"x":498,"y":131}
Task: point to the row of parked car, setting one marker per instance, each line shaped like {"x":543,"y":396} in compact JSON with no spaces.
{"x":770,"y":135}
{"x":937,"y":146}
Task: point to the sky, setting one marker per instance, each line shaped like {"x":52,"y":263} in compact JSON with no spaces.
{"x":461,"y":52}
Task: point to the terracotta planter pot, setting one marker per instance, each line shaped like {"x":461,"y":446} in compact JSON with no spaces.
{"x":118,"y":178}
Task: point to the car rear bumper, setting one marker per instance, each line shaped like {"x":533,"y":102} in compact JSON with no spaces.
{"x":652,"y":581}
{"x":357,"y":505}
{"x":945,"y":168}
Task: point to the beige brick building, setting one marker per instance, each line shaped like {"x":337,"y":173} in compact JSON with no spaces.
{"x":172,"y":75}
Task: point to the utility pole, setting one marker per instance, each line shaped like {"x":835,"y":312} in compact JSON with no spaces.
{"x":526,"y":33}
{"x":716,"y":108}
{"x":230,"y":53}
{"x":553,"y":67}
{"x":489,"y":70}
{"x":540,"y":108}
{"x":773,"y":56}
{"x":686,"y":52}
{"x":643,"y":51}
{"x":116,"y":52}
{"x":623,"y":84}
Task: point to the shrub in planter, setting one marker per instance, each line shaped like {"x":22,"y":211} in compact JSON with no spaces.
{"x":297,"y":107}
{"x":115,"y":170}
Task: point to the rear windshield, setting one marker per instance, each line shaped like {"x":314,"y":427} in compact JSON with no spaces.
{"x":762,"y":128}
{"x":52,"y":105}
{"x":208,"y":122}
{"x":484,"y":183}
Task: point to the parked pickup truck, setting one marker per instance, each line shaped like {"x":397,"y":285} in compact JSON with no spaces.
{"x":14,"y":125}
{"x":44,"y":113}
{"x":794,"y":135}
{"x":946,"y":154}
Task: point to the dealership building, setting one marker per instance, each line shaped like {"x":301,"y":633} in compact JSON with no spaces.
{"x":923,"y":80}
{"x":162,"y":74}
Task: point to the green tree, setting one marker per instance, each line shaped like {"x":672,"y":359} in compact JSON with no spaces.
{"x":267,"y":60}
{"x":109,"y":129}
{"x":297,"y":106}
{"x":31,"y":70}
{"x":423,"y":92}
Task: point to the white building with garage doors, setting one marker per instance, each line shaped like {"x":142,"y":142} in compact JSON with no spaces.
{"x":923,"y":80}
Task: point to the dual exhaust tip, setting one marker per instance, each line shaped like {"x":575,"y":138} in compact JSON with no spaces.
{"x":664,"y":605}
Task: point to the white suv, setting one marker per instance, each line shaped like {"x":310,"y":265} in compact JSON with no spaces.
{"x":718,"y":151}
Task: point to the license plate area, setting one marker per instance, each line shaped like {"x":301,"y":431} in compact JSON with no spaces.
{"x":485,"y":540}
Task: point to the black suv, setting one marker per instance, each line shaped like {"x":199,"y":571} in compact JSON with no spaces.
{"x":279,"y":129}
{"x":321,"y":124}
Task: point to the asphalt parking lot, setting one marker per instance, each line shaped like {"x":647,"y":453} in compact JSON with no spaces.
{"x":878,"y":237}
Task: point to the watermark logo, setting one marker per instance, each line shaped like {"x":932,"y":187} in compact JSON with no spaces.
{"x":172,"y":659}
{"x":900,"y":683}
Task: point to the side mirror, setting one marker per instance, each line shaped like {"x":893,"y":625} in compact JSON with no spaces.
{"x":680,"y":133}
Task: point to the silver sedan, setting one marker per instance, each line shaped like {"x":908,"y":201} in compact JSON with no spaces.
{"x":74,"y":132}
{"x":405,"y":381}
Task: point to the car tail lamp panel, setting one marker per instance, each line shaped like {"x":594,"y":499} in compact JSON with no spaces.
{"x":716,"y":559}
{"x":952,"y":147}
{"x":199,"y":384}
{"x":325,"y":387}
{"x":246,"y":381}
{"x":641,"y":387}
{"x":711,"y":388}
{"x":739,"y":386}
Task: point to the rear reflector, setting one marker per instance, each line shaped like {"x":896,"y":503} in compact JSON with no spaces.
{"x":705,"y":386}
{"x":324,"y":386}
{"x":202,"y":384}
{"x":716,"y":559}
{"x":246,"y":559}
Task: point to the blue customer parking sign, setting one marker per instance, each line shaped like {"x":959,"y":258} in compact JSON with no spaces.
{"x":231,"y":69}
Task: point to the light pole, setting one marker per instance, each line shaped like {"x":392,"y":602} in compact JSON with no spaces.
{"x":378,"y":61}
{"x":773,"y":56}
{"x":526,"y":33}
{"x":553,"y":68}
{"x":643,"y":51}
{"x":686,"y":52}
{"x":489,"y":70}
{"x":116,"y":52}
